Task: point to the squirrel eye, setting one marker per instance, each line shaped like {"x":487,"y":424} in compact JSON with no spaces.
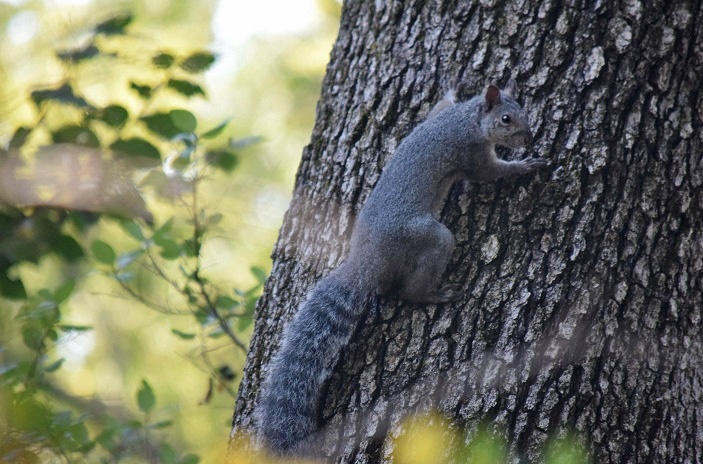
{"x":505,"y":119}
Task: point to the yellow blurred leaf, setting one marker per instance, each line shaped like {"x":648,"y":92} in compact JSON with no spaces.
{"x":427,"y":439}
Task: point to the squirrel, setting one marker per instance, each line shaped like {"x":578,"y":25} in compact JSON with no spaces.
{"x":397,"y":244}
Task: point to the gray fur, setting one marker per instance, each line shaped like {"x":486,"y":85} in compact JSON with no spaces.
{"x":397,"y":244}
{"x":311,"y":342}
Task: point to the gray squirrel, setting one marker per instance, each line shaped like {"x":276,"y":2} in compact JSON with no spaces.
{"x":397,"y":245}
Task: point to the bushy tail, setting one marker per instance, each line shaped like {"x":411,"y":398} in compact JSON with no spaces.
{"x":311,"y":343}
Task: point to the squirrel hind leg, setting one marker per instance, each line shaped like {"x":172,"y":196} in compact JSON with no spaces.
{"x":433,"y":245}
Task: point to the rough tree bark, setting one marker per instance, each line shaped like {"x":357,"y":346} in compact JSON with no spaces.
{"x":583,"y":284}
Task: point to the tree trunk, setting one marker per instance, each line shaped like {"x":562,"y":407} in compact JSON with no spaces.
{"x":583,"y":284}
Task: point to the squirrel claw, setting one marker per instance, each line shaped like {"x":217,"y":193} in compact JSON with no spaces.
{"x":537,"y":162}
{"x":447,"y":294}
{"x":533,"y":164}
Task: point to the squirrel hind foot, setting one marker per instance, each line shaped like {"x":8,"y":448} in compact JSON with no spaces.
{"x":444,"y":294}
{"x":447,"y":294}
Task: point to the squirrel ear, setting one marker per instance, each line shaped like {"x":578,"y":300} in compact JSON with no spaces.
{"x":492,"y":96}
{"x":510,"y":88}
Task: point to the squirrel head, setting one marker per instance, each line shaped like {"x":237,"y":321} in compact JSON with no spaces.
{"x":503,"y":120}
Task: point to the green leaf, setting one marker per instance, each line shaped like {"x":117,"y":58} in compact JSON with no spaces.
{"x":64,"y":291}
{"x":190,"y":248}
{"x":52,"y":335}
{"x":484,"y":448}
{"x":106,"y":439}
{"x":168,"y":455}
{"x":214,"y":219}
{"x":79,"y":54}
{"x":250,"y":303}
{"x":224,"y":159}
{"x":75,"y":437}
{"x":164,"y":229}
{"x":226,"y":373}
{"x":189,"y":459}
{"x":244,"y":322}
{"x":192,"y":298}
{"x":68,"y":248}
{"x":54,"y":366}
{"x":133,"y":229}
{"x":226,"y":303}
{"x":19,"y":137}
{"x":45,"y":294}
{"x":114,"y":115}
{"x":169,"y":248}
{"x":565,"y":451}
{"x":145,"y":398}
{"x":62,"y":94}
{"x":163,"y":60}
{"x":136,"y":146}
{"x":217,"y":130}
{"x":63,"y":419}
{"x":259,"y":274}
{"x":33,"y":338}
{"x":77,"y":135}
{"x":82,"y":220}
{"x":144,"y":91}
{"x":29,"y":415}
{"x":161,"y":124}
{"x":160,"y":425}
{"x":162,"y":237}
{"x":185,"y":88}
{"x":183,"y":335}
{"x":198,"y":62}
{"x":201,"y":316}
{"x":103,"y":252}
{"x":11,"y":288}
{"x":115,"y":25}
{"x":183,"y":120}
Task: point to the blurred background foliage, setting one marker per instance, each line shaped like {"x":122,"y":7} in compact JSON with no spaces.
{"x":430,"y":437}
{"x":148,"y":154}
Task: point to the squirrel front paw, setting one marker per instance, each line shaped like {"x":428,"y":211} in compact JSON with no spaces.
{"x":533,"y":164}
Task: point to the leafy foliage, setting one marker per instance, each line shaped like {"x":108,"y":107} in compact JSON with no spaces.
{"x":433,"y":439}
{"x":39,"y":421}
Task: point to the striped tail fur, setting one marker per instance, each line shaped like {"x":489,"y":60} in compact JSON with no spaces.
{"x":287,"y":410}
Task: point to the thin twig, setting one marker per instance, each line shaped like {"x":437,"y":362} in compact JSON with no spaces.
{"x":212,"y":309}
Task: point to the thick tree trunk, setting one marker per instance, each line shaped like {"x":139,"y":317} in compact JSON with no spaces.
{"x":583,"y":285}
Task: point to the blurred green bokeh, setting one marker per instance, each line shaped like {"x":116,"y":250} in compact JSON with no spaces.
{"x":266,"y":81}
